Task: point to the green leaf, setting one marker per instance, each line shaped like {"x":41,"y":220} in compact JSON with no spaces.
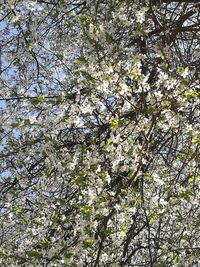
{"x":15,"y":125}
{"x":80,"y":181}
{"x":114,"y":125}
{"x":67,"y":255}
{"x":150,"y":109}
{"x":68,"y":24}
{"x":109,"y":38}
{"x":33,"y":254}
{"x":85,"y":20}
{"x":56,"y":216}
{"x":81,"y":60}
{"x":37,"y":100}
{"x":60,"y":57}
{"x":134,"y":75}
{"x":108,"y":141}
{"x":19,"y":164}
{"x":48,"y":171}
{"x":108,"y":231}
{"x":87,"y":76}
{"x":185,"y":82}
{"x":195,"y":141}
{"x":190,"y":180}
{"x":64,"y":118}
{"x":88,"y":243}
{"x":152,"y":216}
{"x":62,"y":202}
{"x":117,"y":20}
{"x":102,"y":175}
{"x":29,"y":45}
{"x":44,"y":243}
{"x":191,"y":93}
{"x":18,"y":210}
{"x":2,"y":254}
{"x":24,"y":221}
{"x":154,"y":7}
{"x":38,"y":221}
{"x":148,"y":177}
{"x":10,"y":16}
{"x":86,"y":209}
{"x":59,"y":99}
{"x":15,"y":62}
{"x":175,"y":258}
{"x":146,"y":8}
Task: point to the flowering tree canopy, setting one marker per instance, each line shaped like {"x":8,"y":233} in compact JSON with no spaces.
{"x":100,"y":133}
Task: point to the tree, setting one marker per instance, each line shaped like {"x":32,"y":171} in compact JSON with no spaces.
{"x":99,"y":133}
